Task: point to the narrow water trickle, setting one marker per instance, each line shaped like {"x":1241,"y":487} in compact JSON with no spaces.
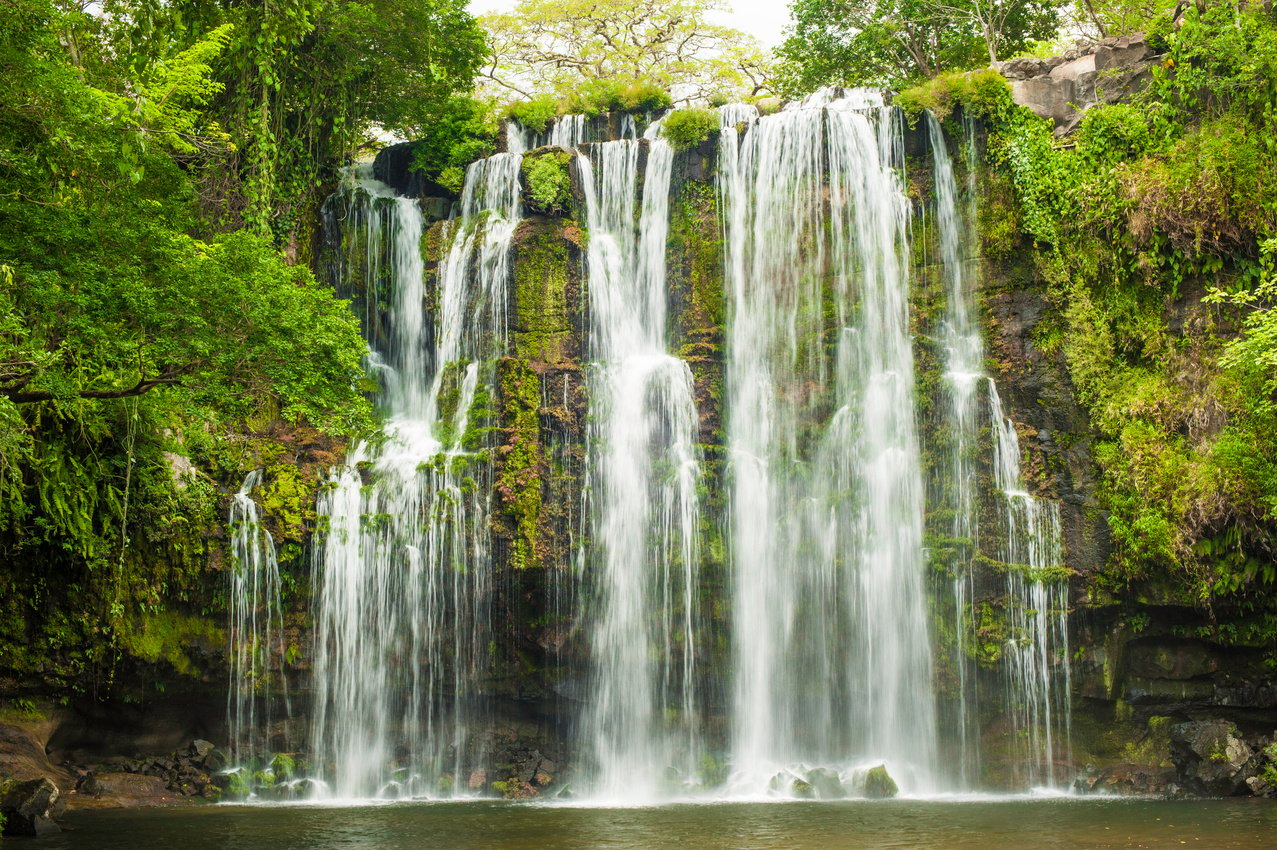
{"x":1037,"y":645}
{"x":258,"y":688}
{"x":1035,"y":605}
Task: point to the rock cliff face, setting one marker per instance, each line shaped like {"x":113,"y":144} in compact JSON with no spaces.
{"x":1162,"y":701}
{"x":1063,"y":87}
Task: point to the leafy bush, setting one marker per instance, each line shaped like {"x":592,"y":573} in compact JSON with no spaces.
{"x":452,"y":178}
{"x":1207,"y":194}
{"x":535,"y":115}
{"x":645,"y":96}
{"x":981,"y":93}
{"x":593,"y":97}
{"x":1112,"y":133}
{"x":459,"y":133}
{"x":549,"y":186}
{"x":687,"y":128}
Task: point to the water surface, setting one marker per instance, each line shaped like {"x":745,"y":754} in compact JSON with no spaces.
{"x":1001,"y":824}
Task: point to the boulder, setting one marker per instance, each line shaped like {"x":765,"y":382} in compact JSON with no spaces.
{"x":1064,"y":87}
{"x":1212,"y":758}
{"x":1125,"y":779}
{"x":879,"y":785}
{"x":29,"y":807}
{"x":826,"y":784}
{"x":1122,"y":52}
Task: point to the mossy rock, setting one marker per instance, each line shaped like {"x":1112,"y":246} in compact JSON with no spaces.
{"x":543,"y":271}
{"x":879,"y":785}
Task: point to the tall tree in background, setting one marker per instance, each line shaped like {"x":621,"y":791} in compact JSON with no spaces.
{"x":892,"y":42}
{"x":135,"y":345}
{"x":553,"y":46}
{"x":1104,"y":18}
{"x":303,"y":83}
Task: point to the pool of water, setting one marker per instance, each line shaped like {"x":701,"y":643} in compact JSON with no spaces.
{"x":1006,"y":824}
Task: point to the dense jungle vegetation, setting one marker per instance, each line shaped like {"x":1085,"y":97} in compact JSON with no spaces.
{"x":161,"y":166}
{"x":1153,"y":229}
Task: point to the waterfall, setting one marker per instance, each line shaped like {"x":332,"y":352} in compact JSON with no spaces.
{"x":403,"y":569}
{"x":566,"y":131}
{"x":642,"y":719}
{"x":825,"y":634}
{"x":256,"y":631}
{"x":1035,"y":657}
{"x":832,"y":653}
{"x":1038,"y":680}
{"x":962,"y":350}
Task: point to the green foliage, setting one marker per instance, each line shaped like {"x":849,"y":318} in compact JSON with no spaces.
{"x":535,"y":114}
{"x":282,"y":767}
{"x":1144,"y":208}
{"x":645,"y":96}
{"x":300,"y":85}
{"x":549,"y":185}
{"x":981,"y":93}
{"x":598,"y":55}
{"x":687,"y":128}
{"x":845,"y":42}
{"x":519,"y":459}
{"x":458,"y":133}
{"x":135,"y":353}
{"x":591,"y":98}
{"x":1105,"y":18}
{"x":597,"y":96}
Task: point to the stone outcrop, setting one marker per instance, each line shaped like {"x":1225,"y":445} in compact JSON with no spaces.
{"x":393,"y":166}
{"x":163,"y":780}
{"x":1213,"y":758}
{"x":1063,"y":87}
{"x":29,"y":807}
{"x":879,"y":785}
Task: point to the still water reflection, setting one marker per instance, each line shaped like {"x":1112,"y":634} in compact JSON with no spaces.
{"x":1000,"y":824}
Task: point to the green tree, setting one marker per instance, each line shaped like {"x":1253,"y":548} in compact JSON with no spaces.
{"x":134,"y":356}
{"x":304,"y":84}
{"x":894,"y":42}
{"x":1104,"y":18}
{"x":553,"y":46}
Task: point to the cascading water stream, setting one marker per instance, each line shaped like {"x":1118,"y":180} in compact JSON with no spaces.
{"x":833,"y":663}
{"x":256,"y":631}
{"x":403,"y":575}
{"x":642,"y":720}
{"x":1038,"y":680}
{"x":963,"y":351}
{"x":1036,"y":652}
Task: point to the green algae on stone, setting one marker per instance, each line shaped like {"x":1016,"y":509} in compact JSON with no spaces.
{"x":541,"y":323}
{"x":519,"y":459}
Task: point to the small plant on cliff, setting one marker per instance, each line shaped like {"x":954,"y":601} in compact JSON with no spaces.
{"x":549,"y":184}
{"x":687,"y":128}
{"x":980,"y":92}
{"x":536,"y":114}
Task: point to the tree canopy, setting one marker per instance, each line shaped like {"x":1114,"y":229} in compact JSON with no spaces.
{"x":894,"y":42}
{"x":135,"y":338}
{"x":553,"y":46}
{"x":300,"y":84}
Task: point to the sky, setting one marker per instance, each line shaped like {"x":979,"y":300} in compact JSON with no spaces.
{"x":763,"y":19}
